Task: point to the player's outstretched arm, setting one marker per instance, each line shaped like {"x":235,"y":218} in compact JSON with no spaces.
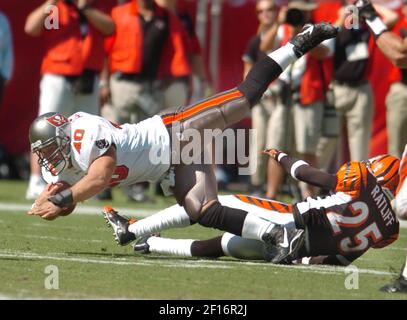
{"x":99,"y":174}
{"x":302,"y":171}
{"x":98,"y":177}
{"x":393,"y":47}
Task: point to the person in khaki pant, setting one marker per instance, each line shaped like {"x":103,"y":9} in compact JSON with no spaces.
{"x":267,"y":116}
{"x":396,"y":103}
{"x":355,"y":107}
{"x":396,"y":100}
{"x":352,"y":93}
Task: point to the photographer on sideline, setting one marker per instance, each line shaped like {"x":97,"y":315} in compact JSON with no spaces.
{"x":303,"y":85}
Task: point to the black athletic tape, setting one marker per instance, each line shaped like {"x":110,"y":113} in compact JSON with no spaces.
{"x":62,"y":199}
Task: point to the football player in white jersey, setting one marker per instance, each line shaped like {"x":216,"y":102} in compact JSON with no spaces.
{"x":400,"y":207}
{"x":91,"y":153}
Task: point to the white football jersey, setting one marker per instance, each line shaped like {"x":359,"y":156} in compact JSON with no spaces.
{"x":142,"y":149}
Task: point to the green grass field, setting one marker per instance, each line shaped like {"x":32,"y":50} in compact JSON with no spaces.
{"x":91,"y":266}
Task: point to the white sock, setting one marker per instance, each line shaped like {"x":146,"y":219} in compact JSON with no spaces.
{"x":172,"y":217}
{"x":255,"y":227}
{"x":176,"y":247}
{"x":284,"y":56}
{"x":404,"y":272}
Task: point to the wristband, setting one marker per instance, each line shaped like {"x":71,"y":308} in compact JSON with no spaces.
{"x":280,"y":156}
{"x":377,"y":26}
{"x":62,"y":199}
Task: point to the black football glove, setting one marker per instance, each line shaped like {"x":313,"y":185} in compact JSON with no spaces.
{"x":368,"y":13}
{"x":366,"y":9}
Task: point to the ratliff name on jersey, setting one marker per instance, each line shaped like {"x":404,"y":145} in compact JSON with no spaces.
{"x":383,"y":205}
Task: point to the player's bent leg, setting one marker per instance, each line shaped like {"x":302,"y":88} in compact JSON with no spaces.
{"x":229,"y":107}
{"x":127,"y":230}
{"x":195,"y":186}
{"x":174,"y":247}
{"x":195,"y":189}
{"x":225,"y":245}
{"x":241,"y":248}
{"x":168,"y":218}
{"x":211,"y":248}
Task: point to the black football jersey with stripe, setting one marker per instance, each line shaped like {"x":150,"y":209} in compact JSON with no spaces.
{"x":355,"y":217}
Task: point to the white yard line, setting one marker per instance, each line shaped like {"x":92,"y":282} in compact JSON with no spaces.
{"x":177,"y":263}
{"x":95,"y":210}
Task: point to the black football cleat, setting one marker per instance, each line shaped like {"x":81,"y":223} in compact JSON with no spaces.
{"x":397,"y":286}
{"x":283,"y":244}
{"x":312,"y":35}
{"x":141,"y":244}
{"x":365,"y":9}
{"x":119,"y":225}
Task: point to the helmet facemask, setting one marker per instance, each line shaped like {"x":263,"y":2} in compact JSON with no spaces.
{"x":53,"y":155}
{"x":50,"y":141}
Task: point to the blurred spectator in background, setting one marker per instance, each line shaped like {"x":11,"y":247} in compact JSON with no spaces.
{"x":175,"y":89}
{"x":304,"y":85}
{"x":352,"y":93}
{"x":73,"y":33}
{"x":269,"y":119}
{"x":396,"y":100}
{"x":150,"y":44}
{"x":6,"y":53}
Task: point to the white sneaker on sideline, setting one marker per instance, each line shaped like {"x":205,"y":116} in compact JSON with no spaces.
{"x":35,"y":187}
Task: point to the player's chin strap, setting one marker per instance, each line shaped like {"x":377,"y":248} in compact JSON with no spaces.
{"x":62,"y":199}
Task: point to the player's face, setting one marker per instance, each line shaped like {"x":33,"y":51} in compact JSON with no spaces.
{"x":266,"y":12}
{"x":52,"y":159}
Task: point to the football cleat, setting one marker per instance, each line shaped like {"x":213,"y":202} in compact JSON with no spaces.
{"x":141,"y":244}
{"x":397,"y":286}
{"x":119,"y":225}
{"x":283,"y":244}
{"x":312,"y":35}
